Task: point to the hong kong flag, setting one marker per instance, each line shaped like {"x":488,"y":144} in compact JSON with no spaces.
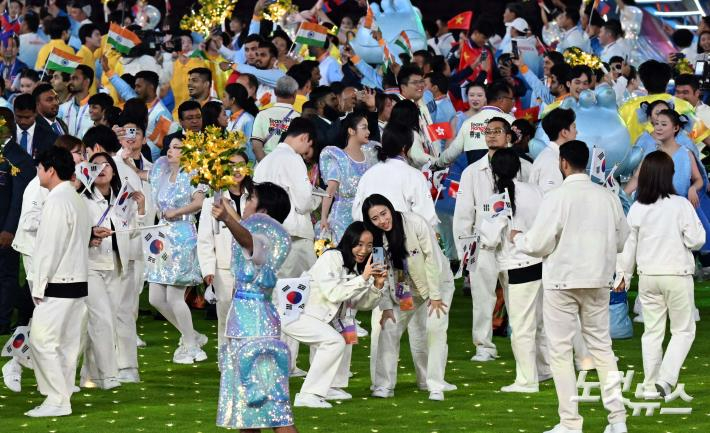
{"x":440,"y":131}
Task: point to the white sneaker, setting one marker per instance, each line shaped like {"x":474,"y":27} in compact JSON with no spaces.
{"x":337,"y":394}
{"x":12,"y":375}
{"x":140,"y":342}
{"x":183,"y":355}
{"x":74,"y":390}
{"x":128,"y":375}
{"x":526,"y":389}
{"x":361,"y":332}
{"x":48,"y":410}
{"x":381,"y":392}
{"x":297,"y":372}
{"x":638,"y":319}
{"x":110,"y":384}
{"x":200,"y":339}
{"x":447,"y":387}
{"x":559,"y":428}
{"x":483,"y":356}
{"x":663,"y":388}
{"x":618,"y":427}
{"x":436,"y":396}
{"x":197,"y":354}
{"x":89,"y":384}
{"x":304,"y":399}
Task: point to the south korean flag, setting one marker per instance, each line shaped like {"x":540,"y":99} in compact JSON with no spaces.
{"x":156,"y":249}
{"x":18,"y":344}
{"x":87,"y":172}
{"x":292,"y":295}
{"x":123,"y":207}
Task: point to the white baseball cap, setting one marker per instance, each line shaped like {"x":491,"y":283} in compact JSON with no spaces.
{"x":519,"y":24}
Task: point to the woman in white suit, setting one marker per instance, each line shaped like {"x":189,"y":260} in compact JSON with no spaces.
{"x":421,"y":288}
{"x":214,"y":248}
{"x":343,"y":281}
{"x":524,"y":295}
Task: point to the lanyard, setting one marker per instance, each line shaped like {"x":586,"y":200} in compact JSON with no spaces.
{"x":152,"y":107}
{"x":235,"y":120}
{"x":77,"y":119}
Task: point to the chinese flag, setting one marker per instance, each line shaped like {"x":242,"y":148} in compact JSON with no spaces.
{"x":461,"y":21}
{"x":468,"y":55}
{"x":530,"y":114}
{"x":440,"y":131}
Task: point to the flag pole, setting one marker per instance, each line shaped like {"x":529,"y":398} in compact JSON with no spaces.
{"x":44,"y":70}
{"x":140,"y":228}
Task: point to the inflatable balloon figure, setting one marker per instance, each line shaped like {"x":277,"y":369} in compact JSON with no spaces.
{"x":599,"y":125}
{"x":393,"y":17}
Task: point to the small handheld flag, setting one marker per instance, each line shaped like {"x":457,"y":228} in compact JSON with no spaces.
{"x":62,"y":61}
{"x":292,"y":294}
{"x":312,"y":34}
{"x":461,"y":21}
{"x":498,"y":205}
{"x":440,"y":131}
{"x":121,"y":39}
{"x":597,"y":169}
{"x":531,"y":114}
{"x":470,"y":255}
{"x":87,"y":172}
{"x":122,"y":207}
{"x":610,"y":181}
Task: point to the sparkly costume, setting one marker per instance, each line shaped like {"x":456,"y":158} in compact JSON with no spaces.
{"x":336,"y":164}
{"x":182,"y":268}
{"x":253,"y":390}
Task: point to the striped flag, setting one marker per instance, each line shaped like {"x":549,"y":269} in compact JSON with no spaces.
{"x":122,"y":40}
{"x":386,"y":53}
{"x":162,"y":126}
{"x":369,"y":22}
{"x":312,"y":34}
{"x":403,"y":42}
{"x":62,"y":61}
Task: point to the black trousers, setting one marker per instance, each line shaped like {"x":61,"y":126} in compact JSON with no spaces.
{"x":9,"y":286}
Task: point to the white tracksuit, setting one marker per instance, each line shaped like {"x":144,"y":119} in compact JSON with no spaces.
{"x":60,"y":274}
{"x":661,"y":239}
{"x":214,"y":252}
{"x":111,"y":279}
{"x":429,"y":278}
{"x":333,"y":290}
{"x":475,"y":188}
{"x":523,"y":299}
{"x":578,"y":232}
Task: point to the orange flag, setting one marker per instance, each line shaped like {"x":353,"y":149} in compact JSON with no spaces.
{"x":162,"y":126}
{"x":369,"y":19}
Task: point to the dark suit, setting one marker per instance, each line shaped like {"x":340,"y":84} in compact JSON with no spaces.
{"x":42,"y":138}
{"x":12,"y":187}
{"x":329,"y":134}
{"x":42,"y":121}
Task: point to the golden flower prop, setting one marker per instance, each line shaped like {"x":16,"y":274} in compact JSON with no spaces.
{"x":206,"y":155}
{"x":683,"y":67}
{"x":245,"y":168}
{"x":276,"y":11}
{"x":4,"y":132}
{"x":321,"y":245}
{"x":574,"y":57}
{"x":211,"y":15}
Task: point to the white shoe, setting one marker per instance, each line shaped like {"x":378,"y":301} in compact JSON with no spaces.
{"x":12,"y":375}
{"x":310,"y":400}
{"x":89,"y":384}
{"x":381,"y":392}
{"x":559,"y":428}
{"x":663,"y":388}
{"x":447,"y":387}
{"x":436,"y":396}
{"x":128,"y":375}
{"x":337,"y":394}
{"x":526,"y":389}
{"x":483,"y":356}
{"x":110,"y":384}
{"x":618,"y":427}
{"x":140,"y":342}
{"x":74,"y":390}
{"x":197,"y":354}
{"x":638,"y":319}
{"x":297,"y":372}
{"x":183,"y":355}
{"x":48,"y":410}
{"x":200,"y":339}
{"x":361,"y":332}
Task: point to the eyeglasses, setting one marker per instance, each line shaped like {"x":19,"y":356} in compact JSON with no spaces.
{"x":493,"y":132}
{"x":416,"y":82}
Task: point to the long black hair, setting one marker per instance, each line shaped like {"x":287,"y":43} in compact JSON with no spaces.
{"x":655,"y":178}
{"x":247,"y":183}
{"x":395,"y":237}
{"x":406,"y":112}
{"x":350,"y":239}
{"x":350,"y":122}
{"x":505,"y":165}
{"x":241,"y":97}
{"x":396,"y":139}
{"x":210,"y":114}
{"x":115,"y":180}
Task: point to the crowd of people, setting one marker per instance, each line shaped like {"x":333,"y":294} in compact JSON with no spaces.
{"x":96,"y":202}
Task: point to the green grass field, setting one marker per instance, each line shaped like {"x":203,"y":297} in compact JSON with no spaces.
{"x":177,"y":398}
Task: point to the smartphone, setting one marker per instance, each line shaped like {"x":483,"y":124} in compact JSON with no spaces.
{"x":130,"y":133}
{"x":378,"y":256}
{"x":516,"y":53}
{"x":700,"y":68}
{"x":484,"y":55}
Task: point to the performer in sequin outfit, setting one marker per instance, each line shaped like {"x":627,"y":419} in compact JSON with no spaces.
{"x":253,"y":390}
{"x":177,"y":201}
{"x":342,"y":168}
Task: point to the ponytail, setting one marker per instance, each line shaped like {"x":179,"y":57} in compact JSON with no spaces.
{"x":505,"y":165}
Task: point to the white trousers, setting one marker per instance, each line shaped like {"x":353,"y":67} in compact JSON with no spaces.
{"x":432,"y":330}
{"x":484,"y":277}
{"x":55,"y":334}
{"x":124,"y":300}
{"x":561,"y":308}
{"x":300,"y":259}
{"x":528,"y":339}
{"x":666,"y":296}
{"x":329,"y":349}
{"x":223,"y":284}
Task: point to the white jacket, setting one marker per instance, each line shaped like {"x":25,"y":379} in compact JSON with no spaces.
{"x":494,"y":234}
{"x":32,"y":201}
{"x":214,"y":250}
{"x":403,"y":185}
{"x":61,"y":253}
{"x":332,"y":285}
{"x":101,"y":257}
{"x":662,"y":236}
{"x":127,"y":173}
{"x":284,"y":167}
{"x":475,"y":188}
{"x":470,"y":135}
{"x":578,"y":232}
{"x":545,"y":171}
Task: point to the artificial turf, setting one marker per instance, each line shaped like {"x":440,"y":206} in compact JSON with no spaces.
{"x":178,"y":398}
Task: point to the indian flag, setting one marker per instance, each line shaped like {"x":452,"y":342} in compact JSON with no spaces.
{"x":62,"y":61}
{"x":122,"y":40}
{"x":403,"y":42}
{"x":311,"y":34}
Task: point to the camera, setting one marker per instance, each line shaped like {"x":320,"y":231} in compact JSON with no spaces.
{"x":702,"y":71}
